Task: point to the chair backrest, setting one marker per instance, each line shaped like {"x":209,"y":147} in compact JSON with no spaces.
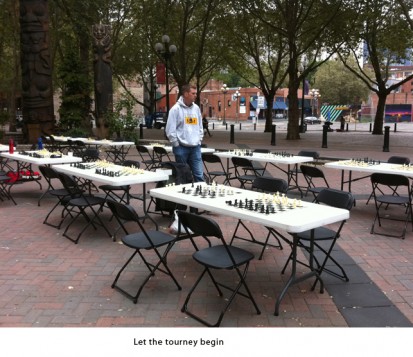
{"x":389,"y":180}
{"x":70,"y":184}
{"x":199,"y":225}
{"x":336,"y":198}
{"x":126,"y":213}
{"x":314,"y":154}
{"x":211,"y":158}
{"x":311,"y":171}
{"x":131,"y":163}
{"x":401,"y":160}
{"x":241,"y":162}
{"x":122,"y":211}
{"x":90,"y":155}
{"x":270,"y":184}
{"x":181,"y":173}
{"x":48,"y":172}
{"x":142,"y":149}
{"x":263,"y":151}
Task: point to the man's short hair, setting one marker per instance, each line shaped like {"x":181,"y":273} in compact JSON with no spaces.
{"x":187,"y":88}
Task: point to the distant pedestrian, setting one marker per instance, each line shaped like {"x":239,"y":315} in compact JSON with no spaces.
{"x":205,"y":125}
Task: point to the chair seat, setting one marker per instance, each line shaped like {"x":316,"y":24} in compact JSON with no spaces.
{"x":217,"y":257}
{"x":320,"y":233}
{"x":58,"y":192}
{"x":113,"y":188}
{"x":87,"y":201}
{"x":393,"y":200}
{"x":139,"y":240}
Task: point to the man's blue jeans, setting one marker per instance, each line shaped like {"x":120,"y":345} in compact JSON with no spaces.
{"x":191,"y":156}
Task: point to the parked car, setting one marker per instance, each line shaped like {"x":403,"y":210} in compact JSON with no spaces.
{"x":279,"y":116}
{"x":312,"y":120}
{"x":159,"y":120}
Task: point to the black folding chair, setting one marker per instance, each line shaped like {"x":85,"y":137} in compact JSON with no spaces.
{"x":161,"y":155}
{"x":147,"y":158}
{"x":399,"y":195}
{"x":397,"y":160}
{"x":140,"y":241}
{"x":214,"y":168}
{"x":217,"y":257}
{"x":293,"y":173}
{"x":267,"y":185}
{"x":316,"y":181}
{"x":242,"y":166}
{"x":61,"y":194}
{"x":81,"y":203}
{"x":319,"y":236}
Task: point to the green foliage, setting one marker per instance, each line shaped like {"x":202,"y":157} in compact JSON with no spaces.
{"x":75,"y":96}
{"x":337,"y":85}
{"x":121,"y":121}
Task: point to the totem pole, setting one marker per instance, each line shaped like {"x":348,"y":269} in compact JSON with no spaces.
{"x":102,"y":77}
{"x":37,"y":88}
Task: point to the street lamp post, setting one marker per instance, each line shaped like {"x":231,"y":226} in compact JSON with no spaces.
{"x":302,"y":69}
{"x":224,"y":91}
{"x":315,"y":94}
{"x":236,"y":96}
{"x":166,"y":54}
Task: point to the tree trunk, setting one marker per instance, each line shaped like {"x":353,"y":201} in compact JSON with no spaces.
{"x":293,"y":128}
{"x":379,"y":118}
{"x":268,"y":114}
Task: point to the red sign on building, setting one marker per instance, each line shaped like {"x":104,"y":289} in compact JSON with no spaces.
{"x":160,"y":73}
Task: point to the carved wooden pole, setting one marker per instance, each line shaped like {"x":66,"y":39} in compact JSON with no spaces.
{"x":37,"y":87}
{"x":102,"y":77}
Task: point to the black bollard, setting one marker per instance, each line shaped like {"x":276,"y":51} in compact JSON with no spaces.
{"x":213,"y":126}
{"x":386,"y":139}
{"x":231,"y":137}
{"x":370,"y":128}
{"x":347,"y":127}
{"x":273,"y":127}
{"x":226,"y":126}
{"x":325,"y":131}
{"x":255,"y":126}
{"x":395,"y":127}
{"x":239,"y":126}
{"x":140,"y":131}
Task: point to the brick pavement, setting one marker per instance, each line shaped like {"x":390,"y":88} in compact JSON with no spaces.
{"x":47,"y":280}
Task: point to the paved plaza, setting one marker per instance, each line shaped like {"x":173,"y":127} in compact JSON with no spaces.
{"x":47,"y":281}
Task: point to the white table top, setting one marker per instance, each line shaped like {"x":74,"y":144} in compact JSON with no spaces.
{"x":168,"y":148}
{"x":263,"y":157}
{"x":384,"y":168}
{"x":124,"y":179}
{"x":294,"y":220}
{"x":88,"y":141}
{"x":65,"y":159}
{"x":4,"y":147}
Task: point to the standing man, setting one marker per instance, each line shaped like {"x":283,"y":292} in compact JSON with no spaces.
{"x":185,"y":131}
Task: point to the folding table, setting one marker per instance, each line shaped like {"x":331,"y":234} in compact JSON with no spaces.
{"x":305,"y":216}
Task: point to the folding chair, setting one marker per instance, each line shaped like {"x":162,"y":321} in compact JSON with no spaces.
{"x":267,"y":185}
{"x":4,"y":192}
{"x":321,"y":235}
{"x":241,"y":167}
{"x":397,"y":160}
{"x":140,"y":241}
{"x":258,"y":167}
{"x":217,"y":257}
{"x":314,"y":176}
{"x":61,"y":194}
{"x":81,"y":202}
{"x":181,"y":173}
{"x":212,"y":173}
{"x":399,"y":195}
{"x":121,"y":193}
{"x":146,"y":157}
{"x":292,"y":174}
{"x":161,"y":155}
